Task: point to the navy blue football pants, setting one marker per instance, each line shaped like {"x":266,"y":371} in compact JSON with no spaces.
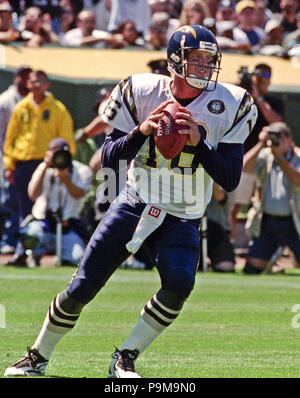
{"x":174,"y":247}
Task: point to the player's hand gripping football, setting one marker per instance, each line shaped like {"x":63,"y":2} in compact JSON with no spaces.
{"x":148,"y":126}
{"x":185,"y":118}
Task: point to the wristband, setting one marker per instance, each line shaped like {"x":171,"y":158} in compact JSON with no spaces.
{"x":136,"y":137}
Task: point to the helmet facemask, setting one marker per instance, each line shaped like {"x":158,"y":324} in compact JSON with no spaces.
{"x":207,"y":76}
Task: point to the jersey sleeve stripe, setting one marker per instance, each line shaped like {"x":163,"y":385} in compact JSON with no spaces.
{"x":243,"y":110}
{"x":128,"y":99}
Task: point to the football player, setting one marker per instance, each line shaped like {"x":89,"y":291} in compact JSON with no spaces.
{"x":164,"y":200}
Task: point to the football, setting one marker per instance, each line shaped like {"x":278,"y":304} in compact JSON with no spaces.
{"x":167,"y":140}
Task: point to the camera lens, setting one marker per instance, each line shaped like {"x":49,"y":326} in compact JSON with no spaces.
{"x":275,"y":138}
{"x":62,"y":159}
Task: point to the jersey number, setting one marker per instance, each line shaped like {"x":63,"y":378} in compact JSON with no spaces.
{"x":184,"y":159}
{"x":112,"y":108}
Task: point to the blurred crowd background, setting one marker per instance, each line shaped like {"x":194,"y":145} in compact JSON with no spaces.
{"x":260,"y":26}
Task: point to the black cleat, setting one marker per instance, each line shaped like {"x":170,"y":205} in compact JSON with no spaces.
{"x":33,"y":364}
{"x":122,"y":365}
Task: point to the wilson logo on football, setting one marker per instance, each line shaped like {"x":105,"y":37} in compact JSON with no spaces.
{"x":160,"y":131}
{"x":154,"y":212}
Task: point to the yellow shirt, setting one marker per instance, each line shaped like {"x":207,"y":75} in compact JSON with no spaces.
{"x":33,"y":126}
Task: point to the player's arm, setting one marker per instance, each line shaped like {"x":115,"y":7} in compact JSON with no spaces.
{"x":224,"y":164}
{"x":122,"y":146}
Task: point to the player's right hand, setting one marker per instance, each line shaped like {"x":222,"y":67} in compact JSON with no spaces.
{"x":148,"y":126}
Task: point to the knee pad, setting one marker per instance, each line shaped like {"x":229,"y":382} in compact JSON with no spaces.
{"x":249,"y":269}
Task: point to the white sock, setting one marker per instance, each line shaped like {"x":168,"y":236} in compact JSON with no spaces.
{"x":154,"y":319}
{"x":46,"y":341}
{"x":56,"y":324}
{"x":141,"y":336}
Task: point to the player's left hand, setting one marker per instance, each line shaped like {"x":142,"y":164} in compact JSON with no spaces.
{"x":185,"y":118}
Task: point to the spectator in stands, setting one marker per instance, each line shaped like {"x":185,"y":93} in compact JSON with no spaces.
{"x":77,"y":5}
{"x":86,"y":35}
{"x":225,"y":39}
{"x":274,"y":219}
{"x":101,"y":9}
{"x":225,"y":11}
{"x":172,"y":7}
{"x":246,"y":31}
{"x":34,"y":122}
{"x":8,"y":100}
{"x":261,"y":14}
{"x":175,"y":8}
{"x":158,"y":32}
{"x":57,"y":188}
{"x":274,"y":31}
{"x":220,"y":250}
{"x":273,"y":6}
{"x":137,"y":11}
{"x":67,"y":20}
{"x":166,"y":12}
{"x":292,"y":40}
{"x":210,"y":23}
{"x":274,"y":38}
{"x":130,"y":37}
{"x":53,"y":8}
{"x":212,"y":6}
{"x":193,"y":12}
{"x":289,"y":9}
{"x":7,"y":30}
{"x":36,"y":29}
{"x":159,"y":6}
{"x":17,"y":6}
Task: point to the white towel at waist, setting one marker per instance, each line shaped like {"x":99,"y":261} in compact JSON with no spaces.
{"x":151,"y":218}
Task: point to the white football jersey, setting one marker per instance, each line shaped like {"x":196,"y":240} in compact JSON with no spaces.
{"x":180,"y":185}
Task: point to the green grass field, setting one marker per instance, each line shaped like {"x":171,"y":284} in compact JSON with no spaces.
{"x":232,"y":326}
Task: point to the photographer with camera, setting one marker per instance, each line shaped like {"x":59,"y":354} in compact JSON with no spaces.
{"x":274,"y":219}
{"x":57,"y":187}
{"x":270,"y":107}
{"x":270,"y":110}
